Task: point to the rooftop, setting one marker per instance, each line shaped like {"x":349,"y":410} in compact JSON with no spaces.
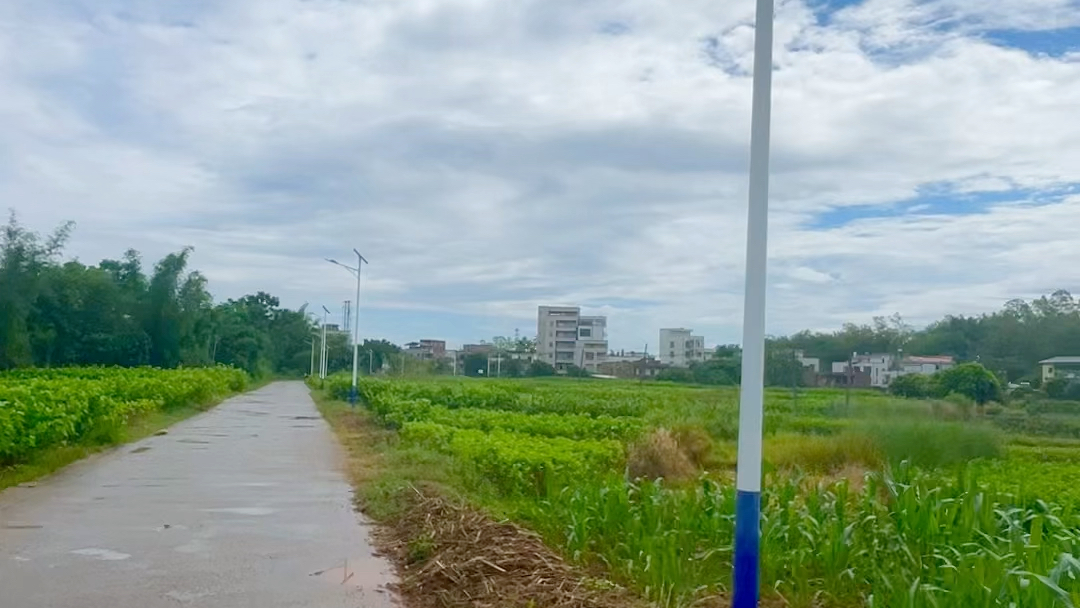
{"x":929,"y":359}
{"x":1060,"y":360}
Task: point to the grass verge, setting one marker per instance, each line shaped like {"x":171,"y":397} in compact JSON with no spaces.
{"x":450,"y":551}
{"x":380,"y":469}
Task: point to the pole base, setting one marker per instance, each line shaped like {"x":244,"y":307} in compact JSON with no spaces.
{"x":353,"y":394}
{"x":747,"y":546}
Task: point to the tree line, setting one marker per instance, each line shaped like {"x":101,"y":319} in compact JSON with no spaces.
{"x":1009,"y":342}
{"x":57,"y":313}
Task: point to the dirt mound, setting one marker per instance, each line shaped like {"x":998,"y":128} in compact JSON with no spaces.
{"x":450,"y":556}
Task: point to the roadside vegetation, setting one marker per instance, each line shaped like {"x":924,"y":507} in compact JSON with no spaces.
{"x":881,"y":502}
{"x":52,"y":417}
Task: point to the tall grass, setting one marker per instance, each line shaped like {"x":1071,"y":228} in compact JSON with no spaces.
{"x":933,"y":443}
{"x":822,"y":454}
{"x":900,"y":541}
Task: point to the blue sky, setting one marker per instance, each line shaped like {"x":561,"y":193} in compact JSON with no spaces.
{"x":488,"y":157}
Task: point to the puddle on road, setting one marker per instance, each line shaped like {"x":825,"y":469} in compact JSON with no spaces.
{"x":255,"y":511}
{"x":106,"y":555}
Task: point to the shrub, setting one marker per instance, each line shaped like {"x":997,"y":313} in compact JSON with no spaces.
{"x":540,"y":368}
{"x":970,"y":379}
{"x":675,"y":374}
{"x":1055,"y":389}
{"x":911,"y":385}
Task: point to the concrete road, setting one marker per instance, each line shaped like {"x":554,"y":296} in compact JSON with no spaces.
{"x":245,"y":505}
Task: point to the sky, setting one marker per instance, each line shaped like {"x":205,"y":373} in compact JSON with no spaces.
{"x":489,"y":156}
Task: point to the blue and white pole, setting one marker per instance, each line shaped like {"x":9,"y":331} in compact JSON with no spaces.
{"x":747,"y":581}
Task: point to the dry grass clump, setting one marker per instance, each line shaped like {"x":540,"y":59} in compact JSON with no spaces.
{"x":451,"y":555}
{"x":658,"y":455}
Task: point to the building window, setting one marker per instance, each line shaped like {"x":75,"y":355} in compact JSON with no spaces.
{"x":672,"y":345}
{"x":589,"y":356}
{"x":551,"y":345}
{"x":585,"y":332}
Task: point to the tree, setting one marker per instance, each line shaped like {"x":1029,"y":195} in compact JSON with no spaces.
{"x":540,"y":368}
{"x":714,"y":371}
{"x":1055,"y":388}
{"x":782,"y":367}
{"x":511,"y":368}
{"x":574,"y":371}
{"x":675,"y":374}
{"x":911,"y":385}
{"x":54,"y":313}
{"x":375,"y":353}
{"x":969,"y":379}
{"x":24,"y":258}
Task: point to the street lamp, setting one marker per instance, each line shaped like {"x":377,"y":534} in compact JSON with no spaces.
{"x":322,"y":361}
{"x":360,"y":261}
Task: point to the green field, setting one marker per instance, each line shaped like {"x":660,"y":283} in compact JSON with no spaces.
{"x":51,"y":417}
{"x":874,"y":501}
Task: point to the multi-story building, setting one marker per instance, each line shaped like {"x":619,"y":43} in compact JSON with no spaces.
{"x":680,"y":347}
{"x":426,"y":349}
{"x":878,"y":367}
{"x":564,"y":337}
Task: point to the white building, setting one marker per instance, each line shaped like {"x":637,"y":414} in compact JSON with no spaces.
{"x":926,"y":365}
{"x":679,"y":347}
{"x":812,"y":363}
{"x":564,"y":337}
{"x":879,"y":367}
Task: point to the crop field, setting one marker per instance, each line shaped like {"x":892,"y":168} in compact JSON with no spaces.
{"x":50,"y":408}
{"x":869,"y":502}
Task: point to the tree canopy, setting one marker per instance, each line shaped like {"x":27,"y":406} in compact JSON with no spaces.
{"x":55,"y":313}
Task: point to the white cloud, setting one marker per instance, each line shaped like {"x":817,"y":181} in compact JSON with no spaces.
{"x":491,"y":156}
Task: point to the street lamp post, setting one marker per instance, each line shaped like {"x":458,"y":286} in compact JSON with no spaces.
{"x":360,"y":261}
{"x":322,"y":361}
{"x":747,"y":546}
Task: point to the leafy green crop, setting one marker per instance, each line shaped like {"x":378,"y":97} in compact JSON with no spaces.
{"x":991,"y":532}
{"x":54,"y":407}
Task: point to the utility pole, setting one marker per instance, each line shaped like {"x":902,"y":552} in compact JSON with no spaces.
{"x":796,"y":368}
{"x":322,"y":363}
{"x":312,"y":373}
{"x":746,"y":556}
{"x":851,"y":380}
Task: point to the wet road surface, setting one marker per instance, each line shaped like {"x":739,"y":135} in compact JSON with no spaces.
{"x":243,"y":506}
